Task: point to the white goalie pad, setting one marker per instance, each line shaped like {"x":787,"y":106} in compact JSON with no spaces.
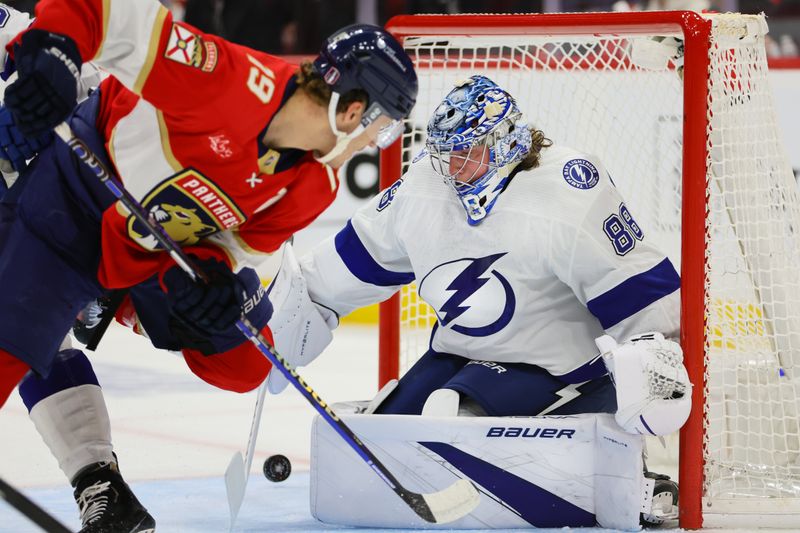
{"x":531,"y":472}
{"x":301,"y":329}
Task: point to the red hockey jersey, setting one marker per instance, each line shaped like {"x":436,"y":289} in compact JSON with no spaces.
{"x":183,"y":117}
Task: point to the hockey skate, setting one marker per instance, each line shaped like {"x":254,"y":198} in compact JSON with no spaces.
{"x":107,"y":504}
{"x":665,"y":501}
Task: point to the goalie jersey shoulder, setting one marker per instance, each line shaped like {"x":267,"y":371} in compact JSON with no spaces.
{"x":564,"y":187}
{"x":569,"y":189}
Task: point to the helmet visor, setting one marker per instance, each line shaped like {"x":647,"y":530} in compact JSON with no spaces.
{"x":389,"y":134}
{"x":389,"y":129}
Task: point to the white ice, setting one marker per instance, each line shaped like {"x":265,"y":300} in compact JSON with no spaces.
{"x":175,"y":435}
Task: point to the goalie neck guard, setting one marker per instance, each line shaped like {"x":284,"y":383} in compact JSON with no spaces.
{"x":366,"y":57}
{"x":476,"y":137}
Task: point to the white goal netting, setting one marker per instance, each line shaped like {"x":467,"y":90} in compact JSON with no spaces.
{"x":585,"y":91}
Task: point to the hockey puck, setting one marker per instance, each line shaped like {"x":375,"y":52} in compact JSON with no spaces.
{"x":277,"y":468}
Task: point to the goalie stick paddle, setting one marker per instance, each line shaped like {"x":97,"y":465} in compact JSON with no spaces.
{"x":446,"y":505}
{"x":33,"y":512}
{"x":238,"y":470}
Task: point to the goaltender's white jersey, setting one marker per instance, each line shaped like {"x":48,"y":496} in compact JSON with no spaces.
{"x":11,"y":23}
{"x":558,"y":261}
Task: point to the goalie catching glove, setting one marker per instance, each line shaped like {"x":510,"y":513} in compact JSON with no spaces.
{"x":300,"y":327}
{"x":654,"y":395}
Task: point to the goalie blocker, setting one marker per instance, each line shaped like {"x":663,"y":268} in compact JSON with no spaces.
{"x":552,"y":471}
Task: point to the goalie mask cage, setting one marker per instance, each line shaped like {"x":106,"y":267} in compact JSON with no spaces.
{"x":699,"y":162}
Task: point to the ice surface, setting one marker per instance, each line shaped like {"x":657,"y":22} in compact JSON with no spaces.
{"x":174,"y":436}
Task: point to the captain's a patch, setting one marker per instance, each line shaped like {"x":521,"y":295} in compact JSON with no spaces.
{"x":189,"y":207}
{"x":190,"y":49}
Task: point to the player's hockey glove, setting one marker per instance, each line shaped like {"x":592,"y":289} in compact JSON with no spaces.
{"x":15,"y":147}
{"x":46,"y":90}
{"x":204,"y":315}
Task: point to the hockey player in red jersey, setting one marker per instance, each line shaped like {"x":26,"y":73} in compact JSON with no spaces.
{"x":230,"y":149}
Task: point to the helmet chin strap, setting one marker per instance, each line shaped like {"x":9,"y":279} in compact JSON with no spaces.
{"x":342,"y":139}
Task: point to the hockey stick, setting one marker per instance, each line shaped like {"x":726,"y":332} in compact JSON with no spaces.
{"x":238,"y":470}
{"x":446,"y":505}
{"x":33,"y":512}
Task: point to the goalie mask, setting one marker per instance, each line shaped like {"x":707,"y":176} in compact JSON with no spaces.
{"x":476,"y":137}
{"x":366,"y":57}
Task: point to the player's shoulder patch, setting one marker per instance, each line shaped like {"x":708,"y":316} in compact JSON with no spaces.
{"x":581,"y":173}
{"x":388,"y":195}
{"x":191,"y":49}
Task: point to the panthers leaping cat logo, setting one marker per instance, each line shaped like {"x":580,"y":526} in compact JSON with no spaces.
{"x":181,"y":223}
{"x":189,"y":206}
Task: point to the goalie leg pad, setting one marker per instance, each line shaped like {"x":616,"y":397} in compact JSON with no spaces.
{"x":69,"y":412}
{"x":544,"y":472}
{"x":442,"y":402}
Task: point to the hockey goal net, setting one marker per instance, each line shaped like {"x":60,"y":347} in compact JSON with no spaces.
{"x":698,"y":159}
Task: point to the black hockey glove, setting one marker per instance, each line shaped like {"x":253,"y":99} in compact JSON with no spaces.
{"x":254,"y":303}
{"x":14,"y":146}
{"x":46,"y":90}
{"x":209,"y":307}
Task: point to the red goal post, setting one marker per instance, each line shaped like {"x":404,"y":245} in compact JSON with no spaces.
{"x":727,"y":313}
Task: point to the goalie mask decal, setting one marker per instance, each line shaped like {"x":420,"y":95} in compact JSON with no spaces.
{"x":469,"y":296}
{"x":189,"y":207}
{"x":476,"y":137}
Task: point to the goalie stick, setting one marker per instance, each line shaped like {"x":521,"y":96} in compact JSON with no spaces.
{"x":33,"y":512}
{"x":446,"y":505}
{"x":238,"y":470}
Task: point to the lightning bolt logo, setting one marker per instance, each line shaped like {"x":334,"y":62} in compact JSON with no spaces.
{"x":581,"y":175}
{"x":566,"y":395}
{"x":465,"y":285}
{"x":454,"y":283}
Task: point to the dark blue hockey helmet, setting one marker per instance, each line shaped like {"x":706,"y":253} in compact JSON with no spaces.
{"x":367,"y":57}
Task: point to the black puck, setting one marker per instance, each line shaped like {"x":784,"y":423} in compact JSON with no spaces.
{"x":277,"y":468}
